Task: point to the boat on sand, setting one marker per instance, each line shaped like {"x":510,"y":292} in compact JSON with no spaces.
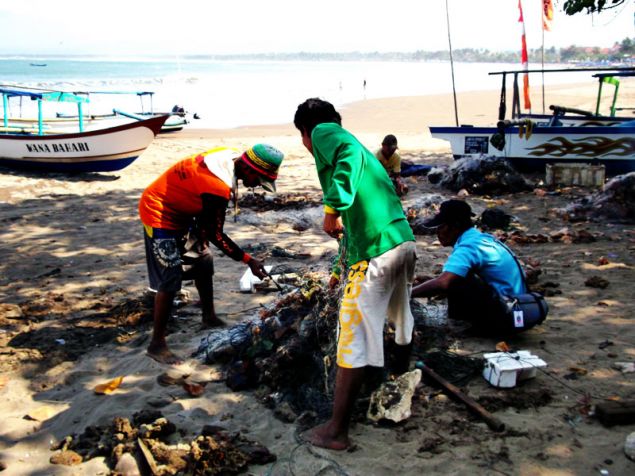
{"x":569,"y":135}
{"x":37,"y":147}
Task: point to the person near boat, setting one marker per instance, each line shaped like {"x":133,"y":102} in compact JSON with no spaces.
{"x":478,"y":269}
{"x":359,"y":198}
{"x":391,"y":160}
{"x":182,"y":212}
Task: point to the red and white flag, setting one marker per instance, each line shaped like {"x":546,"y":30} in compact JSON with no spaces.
{"x":547,"y":14}
{"x":524,"y":59}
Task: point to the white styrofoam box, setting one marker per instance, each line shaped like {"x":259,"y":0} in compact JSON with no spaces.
{"x":506,"y":369}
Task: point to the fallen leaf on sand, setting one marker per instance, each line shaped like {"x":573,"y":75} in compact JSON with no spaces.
{"x":108,"y":387}
{"x":41,"y":413}
{"x":194,"y":389}
{"x":502,"y":347}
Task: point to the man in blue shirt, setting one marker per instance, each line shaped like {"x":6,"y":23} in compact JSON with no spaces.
{"x":479,"y":267}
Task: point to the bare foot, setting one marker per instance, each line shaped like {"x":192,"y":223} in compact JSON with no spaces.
{"x":163,"y":355}
{"x":324,"y":437}
{"x":212,"y":322}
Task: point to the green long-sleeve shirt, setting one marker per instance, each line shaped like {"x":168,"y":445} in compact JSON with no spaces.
{"x":356,"y":185}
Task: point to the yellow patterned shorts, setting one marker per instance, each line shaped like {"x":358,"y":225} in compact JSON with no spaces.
{"x":375,"y":291}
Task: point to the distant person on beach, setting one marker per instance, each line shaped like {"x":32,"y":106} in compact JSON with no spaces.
{"x":477,"y":264}
{"x":391,"y":160}
{"x":380,"y":257}
{"x":183,"y":211}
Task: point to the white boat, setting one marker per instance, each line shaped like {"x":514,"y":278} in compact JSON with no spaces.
{"x":98,"y":150}
{"x":529,"y":141}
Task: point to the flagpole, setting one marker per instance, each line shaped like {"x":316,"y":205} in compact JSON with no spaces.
{"x":543,"y":70}
{"x":524,"y":58}
{"x":547,"y":17}
{"x":456,"y":112}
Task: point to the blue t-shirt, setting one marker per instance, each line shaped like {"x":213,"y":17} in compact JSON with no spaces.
{"x":481,"y":253}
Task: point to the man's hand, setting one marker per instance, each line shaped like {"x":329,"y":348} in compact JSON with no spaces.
{"x":400,"y":187}
{"x":334,"y":282}
{"x":421,"y":278}
{"x":435,"y":286}
{"x":257,"y":268}
{"x":333,"y":225}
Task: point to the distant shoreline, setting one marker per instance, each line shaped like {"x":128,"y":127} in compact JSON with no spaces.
{"x":419,"y":56}
{"x":409,"y":116}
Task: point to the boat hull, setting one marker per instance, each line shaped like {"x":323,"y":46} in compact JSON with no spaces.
{"x":613,"y":147}
{"x":107,"y":165}
{"x":102,"y":150}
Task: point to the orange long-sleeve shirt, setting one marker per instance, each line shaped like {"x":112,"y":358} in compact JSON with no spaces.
{"x":187,"y":190}
{"x":175,"y":198}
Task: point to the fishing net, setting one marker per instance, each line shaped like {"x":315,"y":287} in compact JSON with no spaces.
{"x":484,"y":175}
{"x":615,"y":202}
{"x":287,"y":353}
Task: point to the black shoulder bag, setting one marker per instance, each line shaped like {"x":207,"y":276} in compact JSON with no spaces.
{"x":522,"y":311}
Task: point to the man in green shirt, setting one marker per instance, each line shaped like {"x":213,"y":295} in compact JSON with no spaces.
{"x":380,"y":255}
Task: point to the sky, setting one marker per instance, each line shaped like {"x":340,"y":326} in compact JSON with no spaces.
{"x":182,"y":27}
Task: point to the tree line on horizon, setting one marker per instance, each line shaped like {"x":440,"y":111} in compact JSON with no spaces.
{"x":623,"y":51}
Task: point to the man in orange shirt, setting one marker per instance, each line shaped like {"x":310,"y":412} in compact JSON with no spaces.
{"x":189,"y":200}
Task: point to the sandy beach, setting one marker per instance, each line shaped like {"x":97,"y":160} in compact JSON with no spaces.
{"x":73,"y":269}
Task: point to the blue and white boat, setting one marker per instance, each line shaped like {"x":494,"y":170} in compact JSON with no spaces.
{"x":529,"y":141}
{"x":37,"y":146}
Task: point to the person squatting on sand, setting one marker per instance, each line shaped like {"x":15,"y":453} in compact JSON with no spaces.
{"x":183,"y":211}
{"x":391,"y":160}
{"x":478,"y":267}
{"x":359,"y":197}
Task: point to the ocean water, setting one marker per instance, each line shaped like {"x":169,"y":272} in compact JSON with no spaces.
{"x":237,"y":93}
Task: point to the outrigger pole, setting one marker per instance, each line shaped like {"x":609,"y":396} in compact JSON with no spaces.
{"x":456,"y":112}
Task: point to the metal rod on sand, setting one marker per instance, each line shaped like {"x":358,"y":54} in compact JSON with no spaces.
{"x":491,"y":421}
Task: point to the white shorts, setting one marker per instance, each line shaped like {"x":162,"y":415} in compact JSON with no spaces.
{"x":376,"y":290}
